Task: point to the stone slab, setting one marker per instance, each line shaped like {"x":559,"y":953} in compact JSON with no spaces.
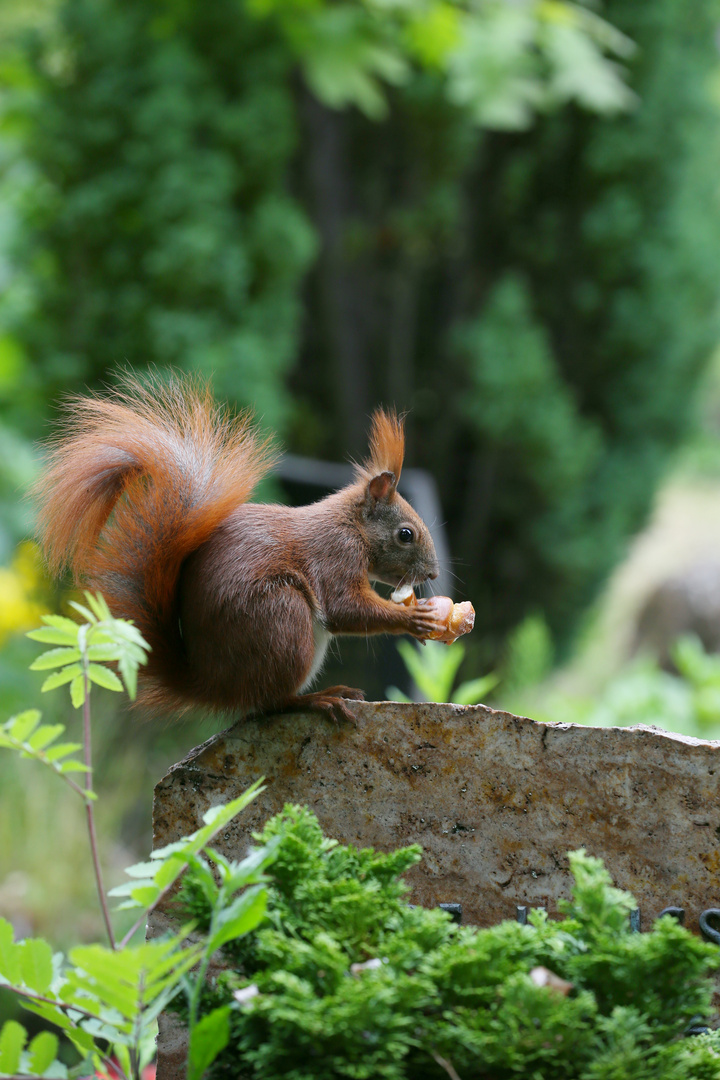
{"x":495,"y":800}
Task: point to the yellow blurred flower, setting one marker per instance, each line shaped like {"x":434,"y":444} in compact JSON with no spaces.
{"x":20,"y":584}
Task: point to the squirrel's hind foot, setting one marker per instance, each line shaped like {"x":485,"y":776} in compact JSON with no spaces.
{"x":330,"y":701}
{"x":351,"y":693}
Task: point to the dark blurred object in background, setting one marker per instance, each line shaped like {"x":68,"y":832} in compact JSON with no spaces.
{"x":687,"y":603}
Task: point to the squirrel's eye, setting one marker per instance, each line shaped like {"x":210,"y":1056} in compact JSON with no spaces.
{"x":405,"y":536}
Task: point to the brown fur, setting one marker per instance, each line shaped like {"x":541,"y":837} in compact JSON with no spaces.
{"x":145,"y":497}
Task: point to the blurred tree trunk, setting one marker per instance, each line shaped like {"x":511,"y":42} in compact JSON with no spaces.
{"x":341,"y":288}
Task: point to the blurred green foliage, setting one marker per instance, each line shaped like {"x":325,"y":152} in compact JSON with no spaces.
{"x":149,"y":155}
{"x":155,"y":225}
{"x":528,"y":656}
{"x":433,"y":668}
{"x":184,"y":183}
{"x":596,"y":315}
{"x":46,"y":882}
{"x":686,"y":702}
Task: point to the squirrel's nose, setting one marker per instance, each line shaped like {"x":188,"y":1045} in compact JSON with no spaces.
{"x":433,"y":575}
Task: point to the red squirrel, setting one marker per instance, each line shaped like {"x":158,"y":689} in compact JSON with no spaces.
{"x":145,"y":498}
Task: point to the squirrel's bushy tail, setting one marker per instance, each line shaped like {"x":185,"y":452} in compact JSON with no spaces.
{"x":135,"y":482}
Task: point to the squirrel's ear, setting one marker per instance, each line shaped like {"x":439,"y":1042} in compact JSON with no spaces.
{"x":381,"y":488}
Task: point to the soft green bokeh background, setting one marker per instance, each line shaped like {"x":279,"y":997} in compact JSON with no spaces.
{"x":503,"y":218}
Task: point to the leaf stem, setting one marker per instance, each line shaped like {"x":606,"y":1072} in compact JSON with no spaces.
{"x":197,"y":990}
{"x":65,"y":1006}
{"x":111,"y":1064}
{"x":89,"y":810}
{"x":137,"y":1028}
{"x":75,"y":787}
{"x":24,"y":748}
{"x":194,"y":1003}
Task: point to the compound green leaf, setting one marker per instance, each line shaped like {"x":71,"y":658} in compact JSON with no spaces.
{"x":61,"y":622}
{"x":54,"y":658}
{"x":141,"y":869}
{"x":473,"y":691}
{"x":13,"y":1037}
{"x":36,"y":964}
{"x":104,"y":677}
{"x":145,"y":895}
{"x":72,"y":766}
{"x":20,"y":727}
{"x":61,"y":750}
{"x":57,"y":631}
{"x":128,"y":670}
{"x":103,"y":652}
{"x":54,"y":1014}
{"x":242,"y":916}
{"x":44,"y":735}
{"x":77,"y":691}
{"x":9,"y":955}
{"x":99,"y":606}
{"x":42,"y":1051}
{"x":61,"y":677}
{"x":82,"y":610}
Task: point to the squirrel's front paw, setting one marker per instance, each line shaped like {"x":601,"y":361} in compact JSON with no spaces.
{"x":443,"y":620}
{"x":429,"y":617}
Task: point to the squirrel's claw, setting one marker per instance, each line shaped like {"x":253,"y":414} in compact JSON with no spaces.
{"x":425,"y":622}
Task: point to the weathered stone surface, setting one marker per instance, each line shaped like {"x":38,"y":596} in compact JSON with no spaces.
{"x":495,"y":800}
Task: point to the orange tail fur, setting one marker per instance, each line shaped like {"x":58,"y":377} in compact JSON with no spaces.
{"x":135,"y":482}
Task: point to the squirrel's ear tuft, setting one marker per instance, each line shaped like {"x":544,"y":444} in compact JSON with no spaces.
{"x":387,"y":446}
